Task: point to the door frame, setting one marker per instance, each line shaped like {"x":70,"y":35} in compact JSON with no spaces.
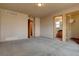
{"x":54,"y":26}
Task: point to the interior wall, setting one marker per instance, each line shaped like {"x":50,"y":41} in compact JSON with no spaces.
{"x":37,"y":26}
{"x":0,"y":25}
{"x":14,"y":25}
{"x":68,"y":30}
{"x":46,"y":25}
{"x":75,"y":26}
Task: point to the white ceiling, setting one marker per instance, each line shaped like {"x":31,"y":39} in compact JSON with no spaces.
{"x":34,"y":10}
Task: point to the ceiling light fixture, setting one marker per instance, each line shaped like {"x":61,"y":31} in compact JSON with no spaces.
{"x":39,"y":4}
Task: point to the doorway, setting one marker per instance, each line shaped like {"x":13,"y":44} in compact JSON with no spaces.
{"x":30,"y":28}
{"x":58,"y":27}
{"x":73,"y":26}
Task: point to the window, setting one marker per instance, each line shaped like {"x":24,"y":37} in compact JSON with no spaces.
{"x":57,"y":24}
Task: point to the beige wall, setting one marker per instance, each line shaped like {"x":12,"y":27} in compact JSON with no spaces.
{"x":0,"y":25}
{"x":37,"y":26}
{"x":68,"y":30}
{"x":46,"y":25}
{"x":75,"y":26}
{"x":14,"y":25}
